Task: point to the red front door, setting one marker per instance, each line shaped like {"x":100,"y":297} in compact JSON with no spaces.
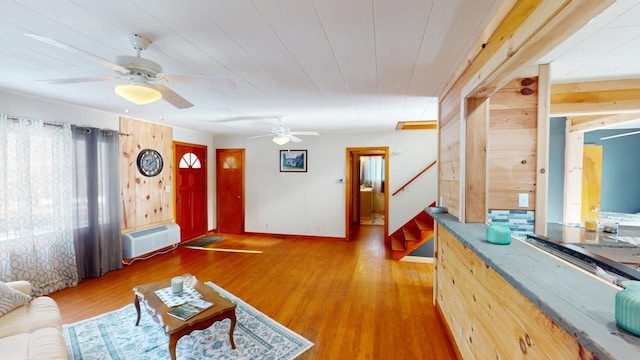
{"x":191,"y":189}
{"x":230,"y":190}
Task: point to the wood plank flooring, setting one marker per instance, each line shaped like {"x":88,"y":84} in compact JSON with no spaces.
{"x":348,"y":298}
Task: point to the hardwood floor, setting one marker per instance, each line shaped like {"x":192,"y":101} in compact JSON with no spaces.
{"x":348,"y":298}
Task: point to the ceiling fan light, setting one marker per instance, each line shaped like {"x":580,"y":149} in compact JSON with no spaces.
{"x":280,"y":139}
{"x":140,"y":94}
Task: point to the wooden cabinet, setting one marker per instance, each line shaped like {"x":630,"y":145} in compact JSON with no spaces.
{"x":366,"y":204}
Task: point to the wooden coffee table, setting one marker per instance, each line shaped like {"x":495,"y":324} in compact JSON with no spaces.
{"x":222,"y":309}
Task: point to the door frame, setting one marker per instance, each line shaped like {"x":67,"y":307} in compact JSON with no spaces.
{"x":351,"y":153}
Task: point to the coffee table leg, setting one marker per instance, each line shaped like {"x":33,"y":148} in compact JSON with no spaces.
{"x":232,"y":316}
{"x":136,"y":302}
{"x":173,"y":341}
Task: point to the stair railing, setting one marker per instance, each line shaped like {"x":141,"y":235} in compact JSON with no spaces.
{"x":414,"y":178}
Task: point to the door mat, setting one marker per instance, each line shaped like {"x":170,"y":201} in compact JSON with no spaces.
{"x":203,"y":241}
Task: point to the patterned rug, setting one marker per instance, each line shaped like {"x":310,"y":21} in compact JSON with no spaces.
{"x":203,"y":241}
{"x":113,"y":336}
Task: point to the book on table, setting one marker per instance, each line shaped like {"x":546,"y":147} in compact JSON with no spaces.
{"x":190,"y":309}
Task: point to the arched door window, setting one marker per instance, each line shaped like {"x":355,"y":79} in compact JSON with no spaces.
{"x":189,"y":160}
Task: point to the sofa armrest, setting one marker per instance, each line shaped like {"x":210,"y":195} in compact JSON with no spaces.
{"x":20,"y":285}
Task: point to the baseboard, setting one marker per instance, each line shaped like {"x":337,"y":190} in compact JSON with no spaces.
{"x":293,"y":236}
{"x":418,"y":259}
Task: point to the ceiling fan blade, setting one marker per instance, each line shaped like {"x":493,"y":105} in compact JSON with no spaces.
{"x":75,"y":50}
{"x":259,"y":136}
{"x":304,"y":133}
{"x":172,"y":97}
{"x":77,"y":80}
{"x":294,"y":138}
{"x":197,"y":80}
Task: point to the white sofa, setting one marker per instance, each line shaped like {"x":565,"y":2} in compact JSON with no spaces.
{"x":32,"y":330}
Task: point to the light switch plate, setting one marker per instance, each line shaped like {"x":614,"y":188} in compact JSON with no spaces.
{"x":523,"y":200}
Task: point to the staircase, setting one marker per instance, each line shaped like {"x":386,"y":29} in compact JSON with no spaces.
{"x":412,"y":235}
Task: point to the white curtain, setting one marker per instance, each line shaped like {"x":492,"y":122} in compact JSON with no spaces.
{"x":372,"y":172}
{"x":36,"y":218}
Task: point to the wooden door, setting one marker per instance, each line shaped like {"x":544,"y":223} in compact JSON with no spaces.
{"x":191,"y":189}
{"x":230,"y":190}
{"x":591,"y":181}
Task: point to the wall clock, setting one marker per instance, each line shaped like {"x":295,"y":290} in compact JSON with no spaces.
{"x":149,"y":162}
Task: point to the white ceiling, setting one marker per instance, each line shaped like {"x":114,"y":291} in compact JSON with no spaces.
{"x":325,"y":65}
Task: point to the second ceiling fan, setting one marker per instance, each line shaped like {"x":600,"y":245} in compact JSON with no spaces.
{"x":282,"y":135}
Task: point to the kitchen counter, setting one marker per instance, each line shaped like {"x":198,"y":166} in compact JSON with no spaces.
{"x":578,"y":302}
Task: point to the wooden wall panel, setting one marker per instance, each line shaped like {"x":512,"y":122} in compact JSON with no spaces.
{"x":512,"y":146}
{"x":489,"y":319}
{"x":476,"y":160}
{"x":144,"y":199}
{"x":449,"y":162}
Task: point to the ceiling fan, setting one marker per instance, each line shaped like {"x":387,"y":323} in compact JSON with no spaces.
{"x":282,"y":135}
{"x":138,"y":75}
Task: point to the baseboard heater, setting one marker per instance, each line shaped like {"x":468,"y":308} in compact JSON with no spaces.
{"x":145,"y":241}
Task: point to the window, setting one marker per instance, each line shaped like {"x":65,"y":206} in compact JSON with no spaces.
{"x":189,"y":160}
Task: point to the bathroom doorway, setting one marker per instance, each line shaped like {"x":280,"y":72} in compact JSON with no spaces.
{"x":371,"y":180}
{"x":367,"y":188}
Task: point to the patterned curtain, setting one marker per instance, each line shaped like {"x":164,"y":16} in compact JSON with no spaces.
{"x":36,"y":223}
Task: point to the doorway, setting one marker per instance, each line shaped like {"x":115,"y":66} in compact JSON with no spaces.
{"x":230,"y":190}
{"x":367,"y":188}
{"x":591,"y":181}
{"x":191,"y":189}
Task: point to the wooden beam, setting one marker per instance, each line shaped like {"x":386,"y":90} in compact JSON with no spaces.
{"x":574,"y":142}
{"x":530,"y":30}
{"x":476,"y":152}
{"x":595,"y":98}
{"x":417,"y":125}
{"x":542,"y":151}
{"x":594,"y":122}
{"x":480,"y":43}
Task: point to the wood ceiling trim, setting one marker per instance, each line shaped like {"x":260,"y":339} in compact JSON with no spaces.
{"x":530,"y":30}
{"x":593,"y":122}
{"x":596,"y":98}
{"x":417,"y":125}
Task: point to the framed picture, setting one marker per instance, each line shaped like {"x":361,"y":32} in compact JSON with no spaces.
{"x":293,"y":160}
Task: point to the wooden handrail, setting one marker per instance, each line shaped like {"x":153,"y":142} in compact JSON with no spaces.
{"x":415,"y":177}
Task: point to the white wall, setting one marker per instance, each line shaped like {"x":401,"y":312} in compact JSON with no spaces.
{"x":51,"y":111}
{"x":313,"y":203}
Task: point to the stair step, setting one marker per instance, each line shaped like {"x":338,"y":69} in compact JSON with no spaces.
{"x":397,"y":244}
{"x":423,"y":225}
{"x":410,"y":235}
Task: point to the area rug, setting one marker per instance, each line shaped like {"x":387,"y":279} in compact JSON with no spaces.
{"x":203,"y":241}
{"x":113,"y":336}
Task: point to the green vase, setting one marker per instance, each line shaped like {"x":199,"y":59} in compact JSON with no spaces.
{"x":628,"y":307}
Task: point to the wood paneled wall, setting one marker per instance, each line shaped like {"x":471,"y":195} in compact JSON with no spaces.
{"x":449,"y":154}
{"x":512,"y":145}
{"x":145,"y":201}
{"x":489,"y":318}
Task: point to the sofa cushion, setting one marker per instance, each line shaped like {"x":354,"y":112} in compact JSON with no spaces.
{"x":11,"y":298}
{"x":45,"y":343}
{"x":41,"y":312}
